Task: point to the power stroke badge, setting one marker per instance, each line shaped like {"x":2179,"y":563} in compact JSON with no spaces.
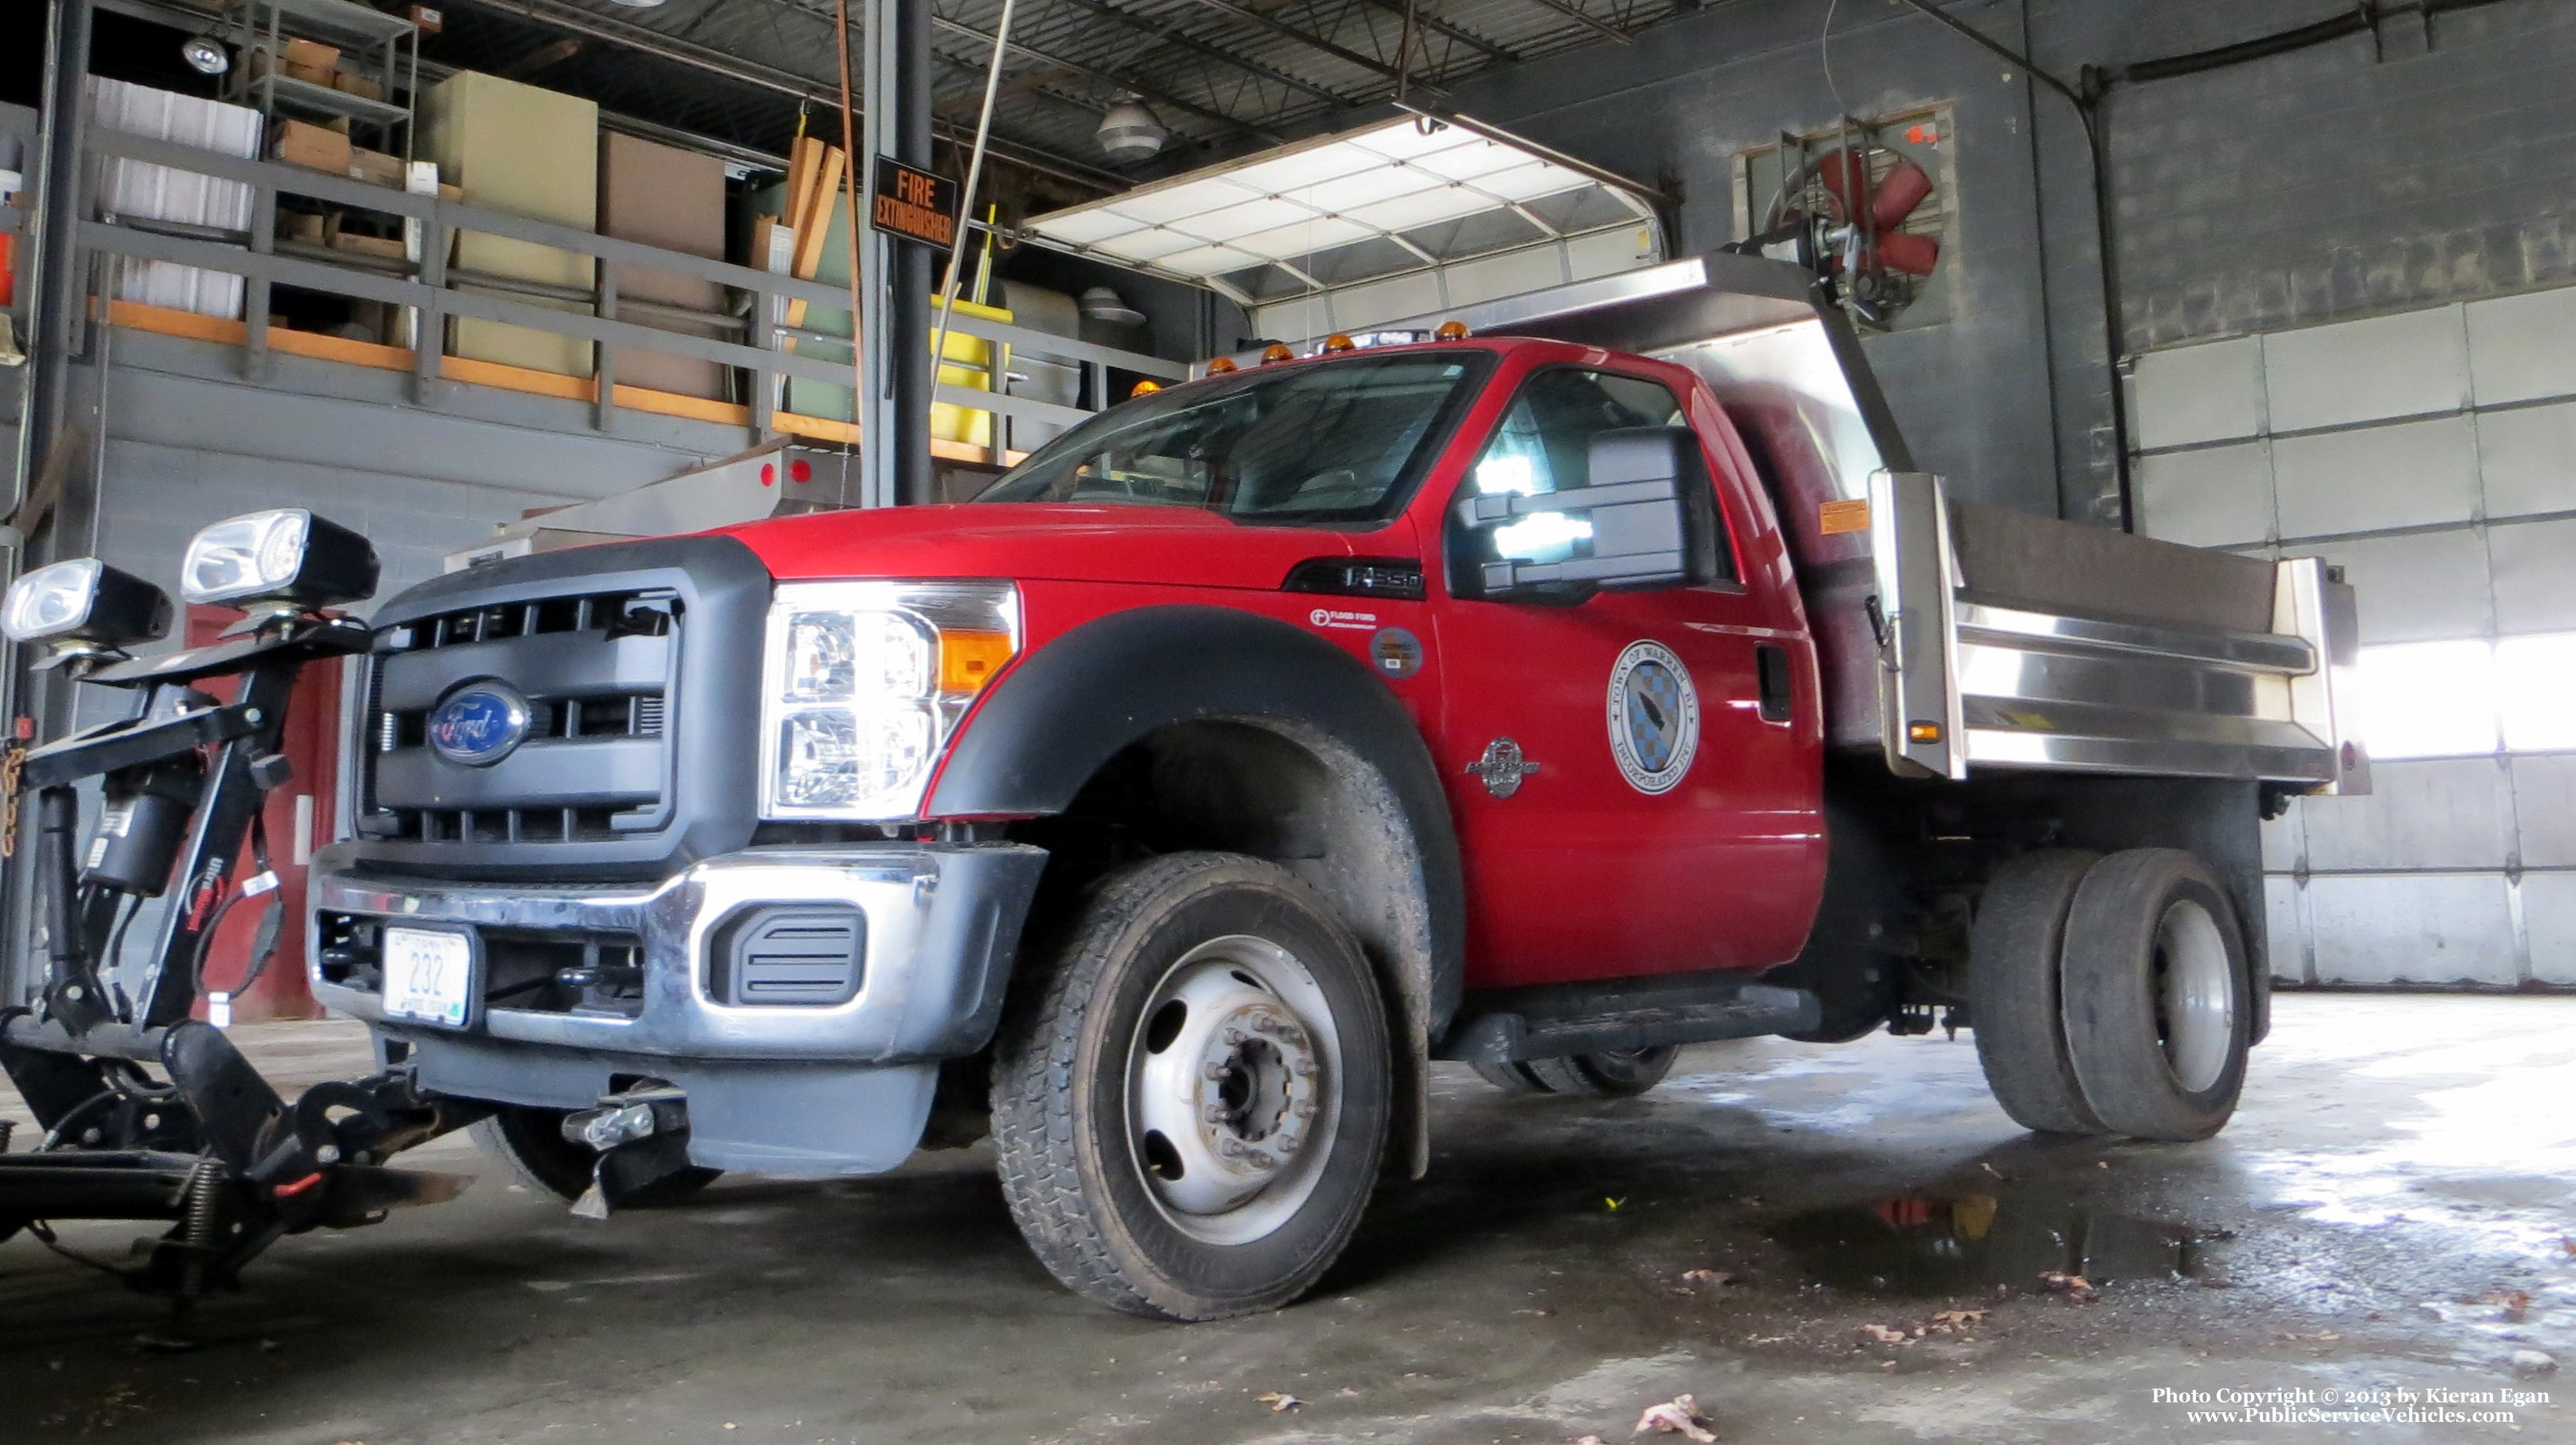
{"x":1654,"y":717}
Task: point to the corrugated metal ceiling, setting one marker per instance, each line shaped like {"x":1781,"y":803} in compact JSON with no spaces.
{"x":1225,"y":76}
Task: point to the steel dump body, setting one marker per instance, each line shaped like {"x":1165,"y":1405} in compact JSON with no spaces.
{"x":1955,"y":635}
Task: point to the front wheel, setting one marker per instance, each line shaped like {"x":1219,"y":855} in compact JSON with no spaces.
{"x":1191,"y":1097}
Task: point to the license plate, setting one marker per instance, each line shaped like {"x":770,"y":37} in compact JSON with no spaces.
{"x":429,"y":975}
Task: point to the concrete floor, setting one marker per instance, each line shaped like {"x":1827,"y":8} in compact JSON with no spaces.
{"x":2391,"y":1211}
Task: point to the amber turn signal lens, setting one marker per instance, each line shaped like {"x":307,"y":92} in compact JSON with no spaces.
{"x":1220,"y":367}
{"x":1924,"y":732}
{"x":1452,"y":331}
{"x":1338,"y":342}
{"x":1277,"y":351}
{"x":1145,"y":388}
{"x":968,"y":660}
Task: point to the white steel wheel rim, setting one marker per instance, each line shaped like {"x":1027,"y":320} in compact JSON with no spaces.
{"x":1233,"y":1090}
{"x":2195,"y":995}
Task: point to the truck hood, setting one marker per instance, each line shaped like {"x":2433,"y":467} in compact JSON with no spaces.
{"x":1050,"y":542}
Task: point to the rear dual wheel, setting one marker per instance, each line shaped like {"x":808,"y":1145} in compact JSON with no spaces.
{"x":2111,"y":995}
{"x":2158,"y":1019}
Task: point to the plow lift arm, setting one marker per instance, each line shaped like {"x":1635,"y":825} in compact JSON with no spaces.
{"x":208,"y":1144}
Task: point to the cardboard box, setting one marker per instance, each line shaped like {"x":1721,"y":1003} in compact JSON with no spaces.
{"x":312,"y":60}
{"x":528,"y":152}
{"x":306,"y":60}
{"x":673,"y":199}
{"x":388,"y":247}
{"x":357,"y":85}
{"x":299,"y":143}
{"x":305,"y":226}
{"x":375,"y":167}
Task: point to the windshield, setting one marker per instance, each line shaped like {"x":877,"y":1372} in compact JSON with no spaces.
{"x":1343,"y":441}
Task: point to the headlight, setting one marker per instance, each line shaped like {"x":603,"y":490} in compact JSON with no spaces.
{"x":864,"y":682}
{"x":289,"y":555}
{"x":85,"y":600}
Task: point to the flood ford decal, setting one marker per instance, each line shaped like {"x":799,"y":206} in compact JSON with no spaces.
{"x":479,"y":724}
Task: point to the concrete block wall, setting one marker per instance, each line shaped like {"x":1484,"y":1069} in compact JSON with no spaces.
{"x":2366,"y":176}
{"x":2432,"y":454}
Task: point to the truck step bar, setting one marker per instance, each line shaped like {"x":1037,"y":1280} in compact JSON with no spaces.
{"x":1513,"y":1025}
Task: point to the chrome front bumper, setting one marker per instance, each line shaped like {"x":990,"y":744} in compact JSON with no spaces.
{"x":778,"y":1088}
{"x":941,"y":921}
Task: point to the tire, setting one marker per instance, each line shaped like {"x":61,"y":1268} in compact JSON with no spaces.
{"x":1611,"y":1074}
{"x":1512,"y":1078}
{"x":531,"y":1143}
{"x":2015,"y":1006}
{"x":2158,"y":1013}
{"x":1202,"y":1009}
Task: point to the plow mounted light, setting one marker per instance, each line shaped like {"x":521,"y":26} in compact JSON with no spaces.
{"x":85,"y":601}
{"x":288,"y":556}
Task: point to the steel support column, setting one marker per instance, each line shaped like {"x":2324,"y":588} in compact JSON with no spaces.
{"x":50,"y":271}
{"x":894,"y":319}
{"x":53,"y":456}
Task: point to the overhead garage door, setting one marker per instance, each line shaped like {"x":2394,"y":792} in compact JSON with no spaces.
{"x":2432,"y":454}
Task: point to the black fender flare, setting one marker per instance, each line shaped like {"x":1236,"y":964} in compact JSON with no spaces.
{"x":1064,"y":710}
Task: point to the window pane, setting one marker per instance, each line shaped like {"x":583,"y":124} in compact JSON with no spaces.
{"x":2536,"y":687}
{"x":2427,"y":699}
{"x":1339,"y":441}
{"x":1543,"y":445}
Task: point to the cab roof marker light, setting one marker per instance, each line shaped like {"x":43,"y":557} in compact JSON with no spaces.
{"x":1452,"y":331}
{"x":1277,"y":351}
{"x":1222,"y":366}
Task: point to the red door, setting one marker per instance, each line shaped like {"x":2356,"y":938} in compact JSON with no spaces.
{"x":298,"y":818}
{"x":1669,"y":825}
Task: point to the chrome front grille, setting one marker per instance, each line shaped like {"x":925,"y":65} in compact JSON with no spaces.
{"x":597,"y":670}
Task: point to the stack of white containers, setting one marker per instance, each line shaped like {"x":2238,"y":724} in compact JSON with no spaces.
{"x":142,"y":191}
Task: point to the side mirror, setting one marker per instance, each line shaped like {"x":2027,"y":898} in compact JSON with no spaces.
{"x":1629,"y":528}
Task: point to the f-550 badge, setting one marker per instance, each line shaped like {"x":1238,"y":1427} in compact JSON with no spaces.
{"x":1654,"y":717}
{"x":1502,"y":767}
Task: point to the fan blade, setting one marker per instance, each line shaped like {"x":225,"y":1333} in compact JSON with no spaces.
{"x":1845,"y":176}
{"x":1898,"y":195}
{"x":1913,"y":255}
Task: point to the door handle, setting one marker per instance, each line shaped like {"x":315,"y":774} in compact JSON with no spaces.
{"x":1778,"y":692}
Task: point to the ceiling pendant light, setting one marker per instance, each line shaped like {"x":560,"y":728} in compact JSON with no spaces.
{"x":1129,"y":132}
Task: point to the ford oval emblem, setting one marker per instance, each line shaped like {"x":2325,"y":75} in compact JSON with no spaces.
{"x":479,"y":724}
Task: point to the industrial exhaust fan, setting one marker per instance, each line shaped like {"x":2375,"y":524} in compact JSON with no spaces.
{"x":1854,"y":211}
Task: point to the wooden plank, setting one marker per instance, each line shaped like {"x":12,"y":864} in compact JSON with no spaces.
{"x":815,"y":222}
{"x":825,"y":429}
{"x":804,"y":158}
{"x":813,"y":225}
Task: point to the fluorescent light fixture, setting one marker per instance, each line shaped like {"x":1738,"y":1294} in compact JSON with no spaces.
{"x":1360,"y":187}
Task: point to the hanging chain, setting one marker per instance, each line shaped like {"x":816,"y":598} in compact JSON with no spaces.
{"x":13,"y":761}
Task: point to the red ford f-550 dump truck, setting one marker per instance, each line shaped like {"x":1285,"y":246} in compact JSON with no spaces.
{"x":1600,"y":681}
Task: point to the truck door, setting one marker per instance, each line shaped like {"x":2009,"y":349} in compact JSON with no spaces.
{"x":1635,"y":773}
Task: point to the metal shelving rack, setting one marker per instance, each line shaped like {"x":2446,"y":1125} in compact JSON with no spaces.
{"x":386,"y":49}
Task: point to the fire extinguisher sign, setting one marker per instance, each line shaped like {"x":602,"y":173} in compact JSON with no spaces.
{"x":913,"y":204}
